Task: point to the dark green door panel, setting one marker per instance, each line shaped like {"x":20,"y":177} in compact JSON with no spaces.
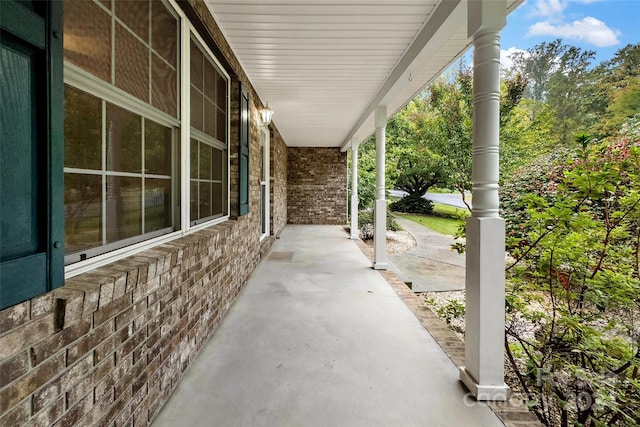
{"x":31,"y":174}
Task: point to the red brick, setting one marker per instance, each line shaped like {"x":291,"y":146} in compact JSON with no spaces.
{"x":41,"y":305}
{"x":74,"y":414}
{"x":14,"y":316}
{"x":106,"y":312}
{"x":25,"y":336}
{"x":125,"y":317}
{"x":47,"y":416}
{"x":45,"y":395}
{"x":76,"y":372}
{"x":53,"y":344}
{"x":18,"y":416}
{"x":30,"y":382}
{"x":90,"y":341}
{"x":13,"y":368}
{"x":111,"y":379}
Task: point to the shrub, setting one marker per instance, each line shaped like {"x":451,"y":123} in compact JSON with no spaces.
{"x":411,"y":204}
{"x":365,"y":224}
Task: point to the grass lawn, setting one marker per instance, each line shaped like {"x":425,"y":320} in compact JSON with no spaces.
{"x":444,"y":221}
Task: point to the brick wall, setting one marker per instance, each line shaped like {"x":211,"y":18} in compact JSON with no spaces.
{"x":278,"y":159}
{"x":316,"y":186}
{"x":109,"y":347}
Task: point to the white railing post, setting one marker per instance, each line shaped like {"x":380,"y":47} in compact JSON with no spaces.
{"x":354,"y":188}
{"x":483,"y":372}
{"x":380,"y":208}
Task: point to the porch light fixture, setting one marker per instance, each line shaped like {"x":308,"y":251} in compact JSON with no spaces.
{"x":265,"y":115}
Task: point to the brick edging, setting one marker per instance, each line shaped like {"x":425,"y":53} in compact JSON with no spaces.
{"x":512,"y":413}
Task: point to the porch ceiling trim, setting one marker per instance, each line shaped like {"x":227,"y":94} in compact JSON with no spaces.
{"x":325,"y":66}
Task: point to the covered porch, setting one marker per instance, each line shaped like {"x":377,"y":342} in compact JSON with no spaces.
{"x":336,"y":73}
{"x":319,"y":338}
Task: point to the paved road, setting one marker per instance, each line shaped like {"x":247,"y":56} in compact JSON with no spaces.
{"x":451,"y":199}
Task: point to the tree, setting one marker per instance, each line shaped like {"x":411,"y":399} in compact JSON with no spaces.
{"x":557,"y":74}
{"x":573,"y":290}
{"x":412,"y":167}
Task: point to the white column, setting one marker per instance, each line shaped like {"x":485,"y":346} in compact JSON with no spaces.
{"x":354,"y":188}
{"x":483,"y":372}
{"x":380,"y":207}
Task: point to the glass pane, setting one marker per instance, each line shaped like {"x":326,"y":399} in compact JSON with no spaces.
{"x":157,"y":148}
{"x":216,"y":164}
{"x":164,"y":92}
{"x":87,"y":37}
{"x":135,"y":15}
{"x":196,"y":67}
{"x":124,"y":140}
{"x":210,"y":75}
{"x":205,"y":199}
{"x":221,"y":126}
{"x":210,"y":112}
{"x":194,"y":201}
{"x":221,"y":93}
{"x":196,"y":109}
{"x":82,"y":130}
{"x":124,"y":210}
{"x":164,"y":35}
{"x":82,"y":212}
{"x":132,"y":64}
{"x":157,"y":204}
{"x":216,"y":199}
{"x":194,"y":158}
{"x":205,"y":161}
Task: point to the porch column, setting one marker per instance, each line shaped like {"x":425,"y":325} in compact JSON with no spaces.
{"x":354,"y":188}
{"x":483,"y":373}
{"x":380,"y":207}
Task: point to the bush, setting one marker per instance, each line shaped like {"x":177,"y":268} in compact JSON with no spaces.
{"x":365,"y":224}
{"x":412,"y":204}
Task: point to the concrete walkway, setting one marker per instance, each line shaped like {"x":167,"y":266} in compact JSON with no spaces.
{"x":431,"y":265}
{"x":318,"y":338}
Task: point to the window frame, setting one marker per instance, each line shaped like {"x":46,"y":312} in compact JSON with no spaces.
{"x":83,"y":80}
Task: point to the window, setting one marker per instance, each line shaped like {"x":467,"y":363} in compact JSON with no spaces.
{"x":118,"y":176}
{"x":208,"y":153}
{"x":124,"y":127}
{"x":121,"y":122}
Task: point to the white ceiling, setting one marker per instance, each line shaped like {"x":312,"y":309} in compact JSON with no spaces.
{"x":324,"y":65}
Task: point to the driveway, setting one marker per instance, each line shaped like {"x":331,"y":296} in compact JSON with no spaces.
{"x":431,"y":265}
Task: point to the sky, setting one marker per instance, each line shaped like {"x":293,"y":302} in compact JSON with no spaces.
{"x":600,"y":25}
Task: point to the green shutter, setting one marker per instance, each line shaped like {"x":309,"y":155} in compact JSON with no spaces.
{"x":31,"y":158}
{"x":243,"y":153}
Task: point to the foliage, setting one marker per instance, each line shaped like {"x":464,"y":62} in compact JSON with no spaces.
{"x":366,"y":221}
{"x":412,"y":204}
{"x":556,"y":74}
{"x":573,"y":288}
{"x":366,"y":175}
{"x":411,"y":165}
{"x":452,"y":310}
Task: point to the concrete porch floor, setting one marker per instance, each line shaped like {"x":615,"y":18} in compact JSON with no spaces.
{"x":318,"y":338}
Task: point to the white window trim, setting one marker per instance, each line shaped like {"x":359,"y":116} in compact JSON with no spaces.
{"x":83,"y":80}
{"x":265,"y":181}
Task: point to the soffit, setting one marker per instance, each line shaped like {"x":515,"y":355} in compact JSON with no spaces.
{"x":323,"y":65}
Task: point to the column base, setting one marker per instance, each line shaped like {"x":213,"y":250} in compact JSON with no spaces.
{"x":484,"y":392}
{"x":379,"y":265}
